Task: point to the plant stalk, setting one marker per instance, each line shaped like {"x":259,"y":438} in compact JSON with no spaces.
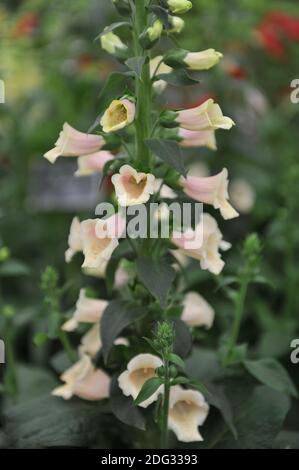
{"x":165,"y":410}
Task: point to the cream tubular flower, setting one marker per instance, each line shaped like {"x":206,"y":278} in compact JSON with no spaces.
{"x":111,"y":43}
{"x":203,"y":60}
{"x":177,"y":24}
{"x":88,"y":310}
{"x":98,"y":243}
{"x":197,"y":139}
{"x":74,"y":240}
{"x":72,"y":143}
{"x":139,"y":370}
{"x":211,"y":190}
{"x":207,"y":116}
{"x":158,"y":67}
{"x":187,"y":410}
{"x":91,"y":342}
{"x":179,"y":7}
{"x":197,"y":311}
{"x":132,"y":187}
{"x":84,"y":381}
{"x":93,"y":163}
{"x":242,"y":195}
{"x":209,"y":241}
{"x":120,"y":114}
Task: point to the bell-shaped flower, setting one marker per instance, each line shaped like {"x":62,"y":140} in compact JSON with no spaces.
{"x":120,"y":114}
{"x":139,"y":370}
{"x":197,"y":311}
{"x":197,"y":139}
{"x":203,"y":244}
{"x":91,"y":342}
{"x":188,"y":410}
{"x":207,"y":116}
{"x":203,"y":60}
{"x":158,"y":67}
{"x":84,"y":381}
{"x":88,"y":310}
{"x":111,"y":43}
{"x":93,"y":163}
{"x":177,"y":24}
{"x":74,"y":240}
{"x":133,"y":187}
{"x":211,"y":190}
{"x":99,"y":240}
{"x":73,"y":143}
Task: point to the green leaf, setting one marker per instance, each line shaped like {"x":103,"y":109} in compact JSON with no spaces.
{"x":259,"y":417}
{"x":148,"y":389}
{"x":157,"y":276}
{"x":183,"y":339}
{"x":14,"y":268}
{"x":175,"y":359}
{"x":217,"y":397}
{"x":40,"y":339}
{"x":116,"y":317}
{"x":136,"y":64}
{"x":112,"y":27}
{"x":123,"y":407}
{"x":203,"y":364}
{"x":270,"y":372}
{"x":178,"y":77}
{"x":52,"y":422}
{"x":180,"y":381}
{"x":169,"y":152}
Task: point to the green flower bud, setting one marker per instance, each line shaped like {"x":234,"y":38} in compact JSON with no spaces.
{"x":111,"y":43}
{"x":151,"y":35}
{"x":178,"y":7}
{"x":8,"y":311}
{"x":177,"y":24}
{"x":4,"y":254}
{"x":175,"y":58}
{"x":173,"y":372}
{"x":160,"y":372}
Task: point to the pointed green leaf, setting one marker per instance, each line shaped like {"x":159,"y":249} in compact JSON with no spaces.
{"x":148,"y":389}
{"x":169,"y":152}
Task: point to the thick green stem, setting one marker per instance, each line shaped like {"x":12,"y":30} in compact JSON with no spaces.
{"x":165,"y":410}
{"x":240,"y":302}
{"x":143,"y":89}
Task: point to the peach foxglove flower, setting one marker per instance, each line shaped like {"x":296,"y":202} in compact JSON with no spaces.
{"x":93,"y":163}
{"x":99,"y":240}
{"x":74,"y":240}
{"x":111,"y":43}
{"x":139,"y":370}
{"x":88,"y":310}
{"x":197,"y":311}
{"x":91,"y":342}
{"x":158,"y":67}
{"x":84,"y":381}
{"x":187,"y":410}
{"x":131,"y":187}
{"x":179,"y":7}
{"x":242,"y":195}
{"x":73,"y":143}
{"x":120,"y":114}
{"x":197,"y":138}
{"x":203,"y":244}
{"x":203,"y":60}
{"x":207,"y":116}
{"x":211,"y":190}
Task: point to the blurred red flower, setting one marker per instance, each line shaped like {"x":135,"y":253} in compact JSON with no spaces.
{"x":26,"y":25}
{"x":276,"y":28}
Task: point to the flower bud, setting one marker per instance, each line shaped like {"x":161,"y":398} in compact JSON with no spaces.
{"x":173,"y":372}
{"x":111,"y":43}
{"x":4,"y":254}
{"x":203,"y":60}
{"x":151,"y":35}
{"x":177,"y":24}
{"x":178,"y":7}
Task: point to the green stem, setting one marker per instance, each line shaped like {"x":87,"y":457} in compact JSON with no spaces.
{"x":67,"y":346}
{"x":165,"y":410}
{"x":143,"y":89}
{"x":240,"y":302}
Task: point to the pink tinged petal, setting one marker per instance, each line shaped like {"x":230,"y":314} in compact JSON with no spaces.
{"x":73,"y":143}
{"x":97,"y":251}
{"x":132,"y":187}
{"x":95,"y":386}
{"x":88,"y":310}
{"x":198,"y":138}
{"x":197,"y":311}
{"x":93,"y":163}
{"x":131,"y":110}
